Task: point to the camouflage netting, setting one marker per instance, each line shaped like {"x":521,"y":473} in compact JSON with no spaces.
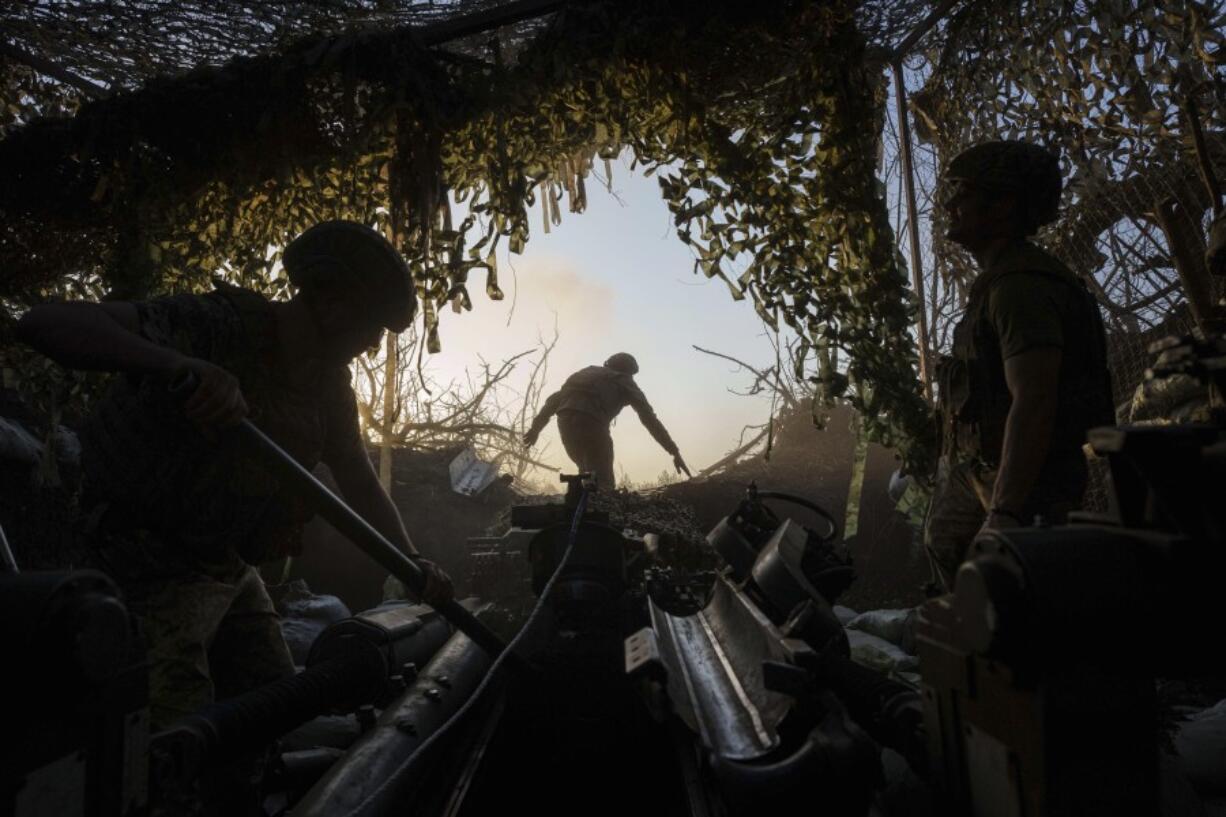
{"x":763,"y":125}
{"x":151,"y":145}
{"x":1103,"y":84}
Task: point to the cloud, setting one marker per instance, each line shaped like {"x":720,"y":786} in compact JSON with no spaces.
{"x":553,"y":284}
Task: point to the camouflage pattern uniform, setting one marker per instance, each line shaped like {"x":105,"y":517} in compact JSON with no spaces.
{"x":1025,"y":299}
{"x":180,"y":519}
{"x":586,"y":405}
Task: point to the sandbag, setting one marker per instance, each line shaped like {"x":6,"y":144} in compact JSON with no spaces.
{"x":844,"y":614}
{"x":895,"y":626}
{"x":305,"y":615}
{"x":876,"y":653}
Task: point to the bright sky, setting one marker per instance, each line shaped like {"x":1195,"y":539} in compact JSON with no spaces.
{"x":617,"y":278}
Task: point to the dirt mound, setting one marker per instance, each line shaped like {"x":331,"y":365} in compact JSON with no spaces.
{"x":439,"y":522}
{"x":816,"y":464}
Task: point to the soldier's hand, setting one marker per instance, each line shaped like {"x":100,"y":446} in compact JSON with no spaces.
{"x":530,"y":437}
{"x":217,"y":401}
{"x":680,"y":465}
{"x":439,"y":589}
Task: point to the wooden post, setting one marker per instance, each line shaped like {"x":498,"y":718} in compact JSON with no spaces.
{"x":391,"y":364}
{"x":917,"y":272}
{"x":1187,"y":248}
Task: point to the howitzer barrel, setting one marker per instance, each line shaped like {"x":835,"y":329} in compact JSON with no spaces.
{"x":374,"y":775}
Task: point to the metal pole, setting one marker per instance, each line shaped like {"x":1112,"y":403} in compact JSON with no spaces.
{"x":7,"y":560}
{"x":917,"y":272}
{"x":1187,"y":247}
{"x":359,"y":531}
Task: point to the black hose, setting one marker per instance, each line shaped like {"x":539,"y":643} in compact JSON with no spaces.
{"x":805,"y":503}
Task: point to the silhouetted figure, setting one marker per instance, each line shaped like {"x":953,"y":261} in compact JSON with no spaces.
{"x":1028,"y":371}
{"x":586,"y":405}
{"x":180,"y":511}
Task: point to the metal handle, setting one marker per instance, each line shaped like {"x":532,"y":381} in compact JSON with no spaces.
{"x":358,"y":530}
{"x":348,"y":523}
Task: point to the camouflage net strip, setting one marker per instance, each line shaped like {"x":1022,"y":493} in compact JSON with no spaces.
{"x":763,"y":127}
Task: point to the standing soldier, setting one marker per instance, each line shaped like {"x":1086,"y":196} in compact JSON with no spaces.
{"x":586,"y":405}
{"x":181,"y":512}
{"x":1028,"y":372}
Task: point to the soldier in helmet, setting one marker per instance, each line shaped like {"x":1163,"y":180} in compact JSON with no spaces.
{"x":586,"y":405}
{"x":1028,"y":371}
{"x":181,"y":513}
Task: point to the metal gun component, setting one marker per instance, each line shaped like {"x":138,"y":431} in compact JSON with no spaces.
{"x":712,"y":665}
{"x":76,"y":717}
{"x":734,"y":678}
{"x":1028,"y":707}
{"x":379,"y":770}
{"x":400,"y":634}
{"x":353,"y":663}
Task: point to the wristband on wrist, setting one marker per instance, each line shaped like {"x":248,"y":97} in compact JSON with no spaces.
{"x":997,"y":510}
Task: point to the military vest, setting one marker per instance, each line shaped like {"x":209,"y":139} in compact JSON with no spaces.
{"x":974,"y":393}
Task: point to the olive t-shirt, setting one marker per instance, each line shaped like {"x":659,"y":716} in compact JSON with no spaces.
{"x":1028,"y":309}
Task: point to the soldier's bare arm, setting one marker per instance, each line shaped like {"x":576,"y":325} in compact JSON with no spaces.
{"x":106,"y":337}
{"x":1033,"y":381}
{"x":360,"y":487}
{"x":346,"y":457}
{"x":95,"y":337}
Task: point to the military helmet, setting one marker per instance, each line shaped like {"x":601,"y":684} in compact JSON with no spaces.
{"x":1030,"y":171}
{"x":353,"y":256}
{"x":623,"y":362}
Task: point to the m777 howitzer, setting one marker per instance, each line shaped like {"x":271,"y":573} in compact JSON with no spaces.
{"x":1039,"y":669}
{"x":634,"y":694}
{"x":645,"y":700}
